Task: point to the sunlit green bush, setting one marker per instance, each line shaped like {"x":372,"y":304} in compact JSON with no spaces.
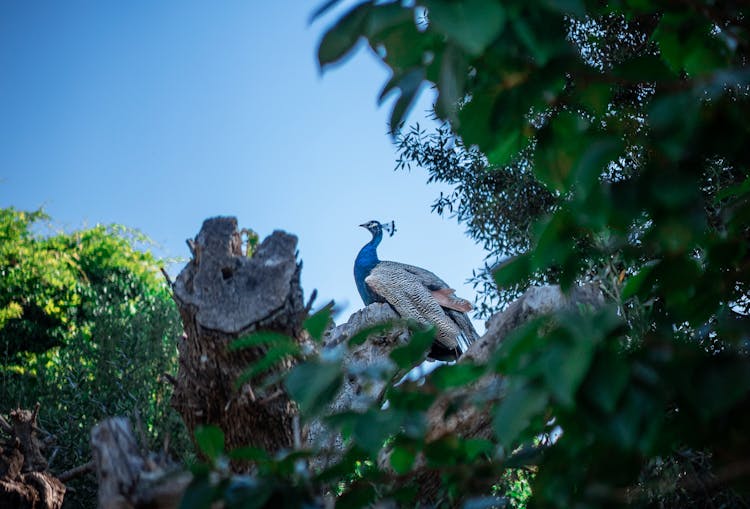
{"x":89,"y":329}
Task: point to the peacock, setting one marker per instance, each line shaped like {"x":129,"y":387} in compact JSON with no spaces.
{"x":414,"y":293}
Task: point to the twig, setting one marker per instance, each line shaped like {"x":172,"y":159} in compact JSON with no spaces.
{"x":75,"y":472}
{"x":166,"y":276}
{"x":52,"y":457}
{"x":35,"y":413}
{"x":313,"y":295}
{"x":271,"y":397}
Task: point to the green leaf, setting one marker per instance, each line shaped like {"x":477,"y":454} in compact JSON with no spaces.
{"x":595,"y":97}
{"x":457,"y":375}
{"x":451,"y":85}
{"x":607,"y":380}
{"x":341,"y":38}
{"x":475,"y":447}
{"x":634,"y":283}
{"x":210,"y":440}
{"x":201,"y":493}
{"x":515,"y":413}
{"x":472,"y":24}
{"x":686,"y":43}
{"x":408,"y":84}
{"x":555,"y":243}
{"x":539,"y":49}
{"x":401,"y":46}
{"x":317,"y":323}
{"x":718,"y":385}
{"x":513,"y":271}
{"x":373,"y":428}
{"x":401,"y":398}
{"x":313,"y":385}
{"x":358,"y":495}
{"x":261,"y":338}
{"x":740,"y":189}
{"x":444,"y":451}
{"x":402,"y":459}
{"x":272,"y":357}
{"x":387,"y":16}
{"x":414,"y":352}
{"x":565,"y":367}
{"x":643,"y":69}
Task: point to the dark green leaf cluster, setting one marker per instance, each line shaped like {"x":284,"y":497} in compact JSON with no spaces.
{"x":93,"y":331}
{"x":633,"y":116}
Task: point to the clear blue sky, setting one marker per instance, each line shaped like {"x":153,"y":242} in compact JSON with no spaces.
{"x":157,"y":115}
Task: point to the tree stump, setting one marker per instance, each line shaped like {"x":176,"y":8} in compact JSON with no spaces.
{"x":223,"y":294}
{"x":24,"y":479}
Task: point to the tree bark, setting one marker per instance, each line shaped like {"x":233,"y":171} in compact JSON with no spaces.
{"x":222,"y":295}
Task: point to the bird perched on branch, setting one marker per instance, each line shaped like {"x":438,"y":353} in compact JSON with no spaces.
{"x":414,"y":293}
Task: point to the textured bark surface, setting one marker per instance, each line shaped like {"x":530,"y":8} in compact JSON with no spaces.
{"x":222,"y":294}
{"x":128,"y":479}
{"x":360,"y":388}
{"x":24,"y":480}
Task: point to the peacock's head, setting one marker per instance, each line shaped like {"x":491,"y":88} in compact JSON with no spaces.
{"x":375,"y":227}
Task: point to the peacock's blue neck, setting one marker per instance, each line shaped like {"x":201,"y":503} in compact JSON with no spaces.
{"x":364,"y":263}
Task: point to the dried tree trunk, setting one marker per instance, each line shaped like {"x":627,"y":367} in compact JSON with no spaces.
{"x":222,"y":294}
{"x":24,"y":479}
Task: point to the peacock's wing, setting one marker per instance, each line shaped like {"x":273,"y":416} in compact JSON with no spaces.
{"x":427,"y":278}
{"x":411,"y":298}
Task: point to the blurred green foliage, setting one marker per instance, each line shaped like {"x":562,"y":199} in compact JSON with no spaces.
{"x":626,"y":125}
{"x":88,"y":328}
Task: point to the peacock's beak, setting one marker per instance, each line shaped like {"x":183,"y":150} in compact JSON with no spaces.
{"x":364,"y":225}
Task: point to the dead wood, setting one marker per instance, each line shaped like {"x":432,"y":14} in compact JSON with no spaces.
{"x":222,"y":295}
{"x":24,"y":479}
{"x":127,"y":478}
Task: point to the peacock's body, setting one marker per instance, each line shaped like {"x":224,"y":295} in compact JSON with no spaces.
{"x":414,"y":293}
